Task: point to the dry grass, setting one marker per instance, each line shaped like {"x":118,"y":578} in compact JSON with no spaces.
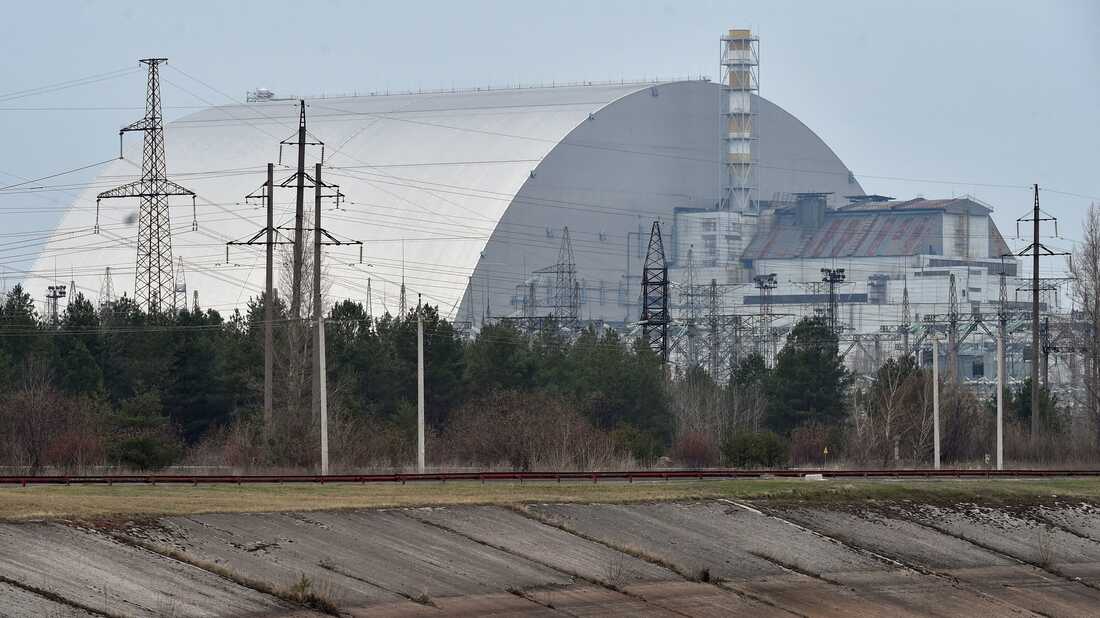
{"x":92,"y":503}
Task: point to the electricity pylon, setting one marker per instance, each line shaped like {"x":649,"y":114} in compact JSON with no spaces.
{"x":154,"y":288}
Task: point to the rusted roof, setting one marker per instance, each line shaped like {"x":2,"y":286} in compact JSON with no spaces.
{"x":863,"y":234}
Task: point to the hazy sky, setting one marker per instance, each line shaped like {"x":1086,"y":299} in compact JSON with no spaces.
{"x":971,"y":97}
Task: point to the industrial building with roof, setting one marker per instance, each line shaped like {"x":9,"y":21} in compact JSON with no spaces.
{"x":464,"y":198}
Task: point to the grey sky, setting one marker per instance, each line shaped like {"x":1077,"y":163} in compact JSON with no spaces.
{"x":966,"y":93}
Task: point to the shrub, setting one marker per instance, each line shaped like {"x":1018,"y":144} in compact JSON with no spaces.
{"x":644,"y":446}
{"x":695,"y":449}
{"x":746,"y":449}
{"x":525,"y":431}
{"x":808,"y":444}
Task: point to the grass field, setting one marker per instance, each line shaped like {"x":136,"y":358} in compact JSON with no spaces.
{"x":100,"y":502}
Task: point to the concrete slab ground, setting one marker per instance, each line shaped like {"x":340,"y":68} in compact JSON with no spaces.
{"x":1018,"y":534}
{"x":997,"y":576}
{"x":92,"y":570}
{"x":1082,"y":519}
{"x":494,"y":604}
{"x":729,"y":537}
{"x":17,"y":603}
{"x":702,"y":558}
{"x":554,"y":547}
{"x":357,"y":558}
{"x":703,"y":600}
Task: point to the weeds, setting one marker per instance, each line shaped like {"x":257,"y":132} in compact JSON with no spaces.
{"x":1045,"y":548}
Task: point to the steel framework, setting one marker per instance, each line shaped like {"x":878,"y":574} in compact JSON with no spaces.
{"x":155,"y":284}
{"x":655,"y":317}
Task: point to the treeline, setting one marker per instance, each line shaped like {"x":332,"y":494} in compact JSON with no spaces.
{"x":115,"y":386}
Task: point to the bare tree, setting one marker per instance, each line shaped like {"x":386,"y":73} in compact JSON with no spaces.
{"x":1084,"y":265}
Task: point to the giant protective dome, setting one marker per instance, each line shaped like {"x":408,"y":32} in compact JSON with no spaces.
{"x":444,"y":189}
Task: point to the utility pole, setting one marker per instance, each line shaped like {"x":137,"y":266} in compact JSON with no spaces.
{"x":1035,"y":426}
{"x":952,"y":331}
{"x":319,"y":369}
{"x":1000,"y":399}
{"x":323,"y":394}
{"x":1034,"y":248}
{"x":370,"y":302}
{"x":266,"y":192}
{"x":269,"y":300}
{"x":154,"y":287}
{"x":419,"y":387}
{"x":299,"y":206}
{"x":936,"y":400}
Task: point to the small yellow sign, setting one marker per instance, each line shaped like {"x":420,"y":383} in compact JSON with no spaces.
{"x":826,"y":450}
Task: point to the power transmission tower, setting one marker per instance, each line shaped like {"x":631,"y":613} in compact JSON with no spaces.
{"x":1036,"y":248}
{"x":106,"y":291}
{"x":299,"y":180}
{"x":689,"y":300}
{"x":402,"y":304}
{"x":655,"y":316}
{"x":194,"y":301}
{"x":566,"y":308}
{"x":155,"y":285}
{"x":715,"y":334}
{"x":906,"y":317}
{"x":180,"y":288}
{"x":72,"y":289}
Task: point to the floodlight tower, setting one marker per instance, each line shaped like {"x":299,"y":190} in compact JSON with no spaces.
{"x":765,"y":283}
{"x":740,"y":76}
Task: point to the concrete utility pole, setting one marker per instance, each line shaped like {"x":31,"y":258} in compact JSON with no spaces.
{"x":1000,"y":399}
{"x":319,"y":369}
{"x":1035,"y":318}
{"x":269,"y":301}
{"x":324,"y":397}
{"x":936,"y":400}
{"x":419,"y":387}
{"x":299,"y":206}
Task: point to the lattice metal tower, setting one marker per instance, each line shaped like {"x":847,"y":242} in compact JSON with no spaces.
{"x":180,"y":288}
{"x":715,"y":335}
{"x":906,"y":317}
{"x":765,"y":283}
{"x":154,"y":288}
{"x":832,"y":277}
{"x":740,"y":77}
{"x":106,"y":290}
{"x":566,"y":299}
{"x":655,"y":317}
{"x":690,"y":311}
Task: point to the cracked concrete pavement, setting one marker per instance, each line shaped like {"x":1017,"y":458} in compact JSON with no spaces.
{"x":704,"y":558}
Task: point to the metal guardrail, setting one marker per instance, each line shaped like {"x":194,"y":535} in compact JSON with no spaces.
{"x":595,"y":477}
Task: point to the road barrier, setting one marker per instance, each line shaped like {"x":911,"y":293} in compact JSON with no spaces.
{"x":593,"y":476}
